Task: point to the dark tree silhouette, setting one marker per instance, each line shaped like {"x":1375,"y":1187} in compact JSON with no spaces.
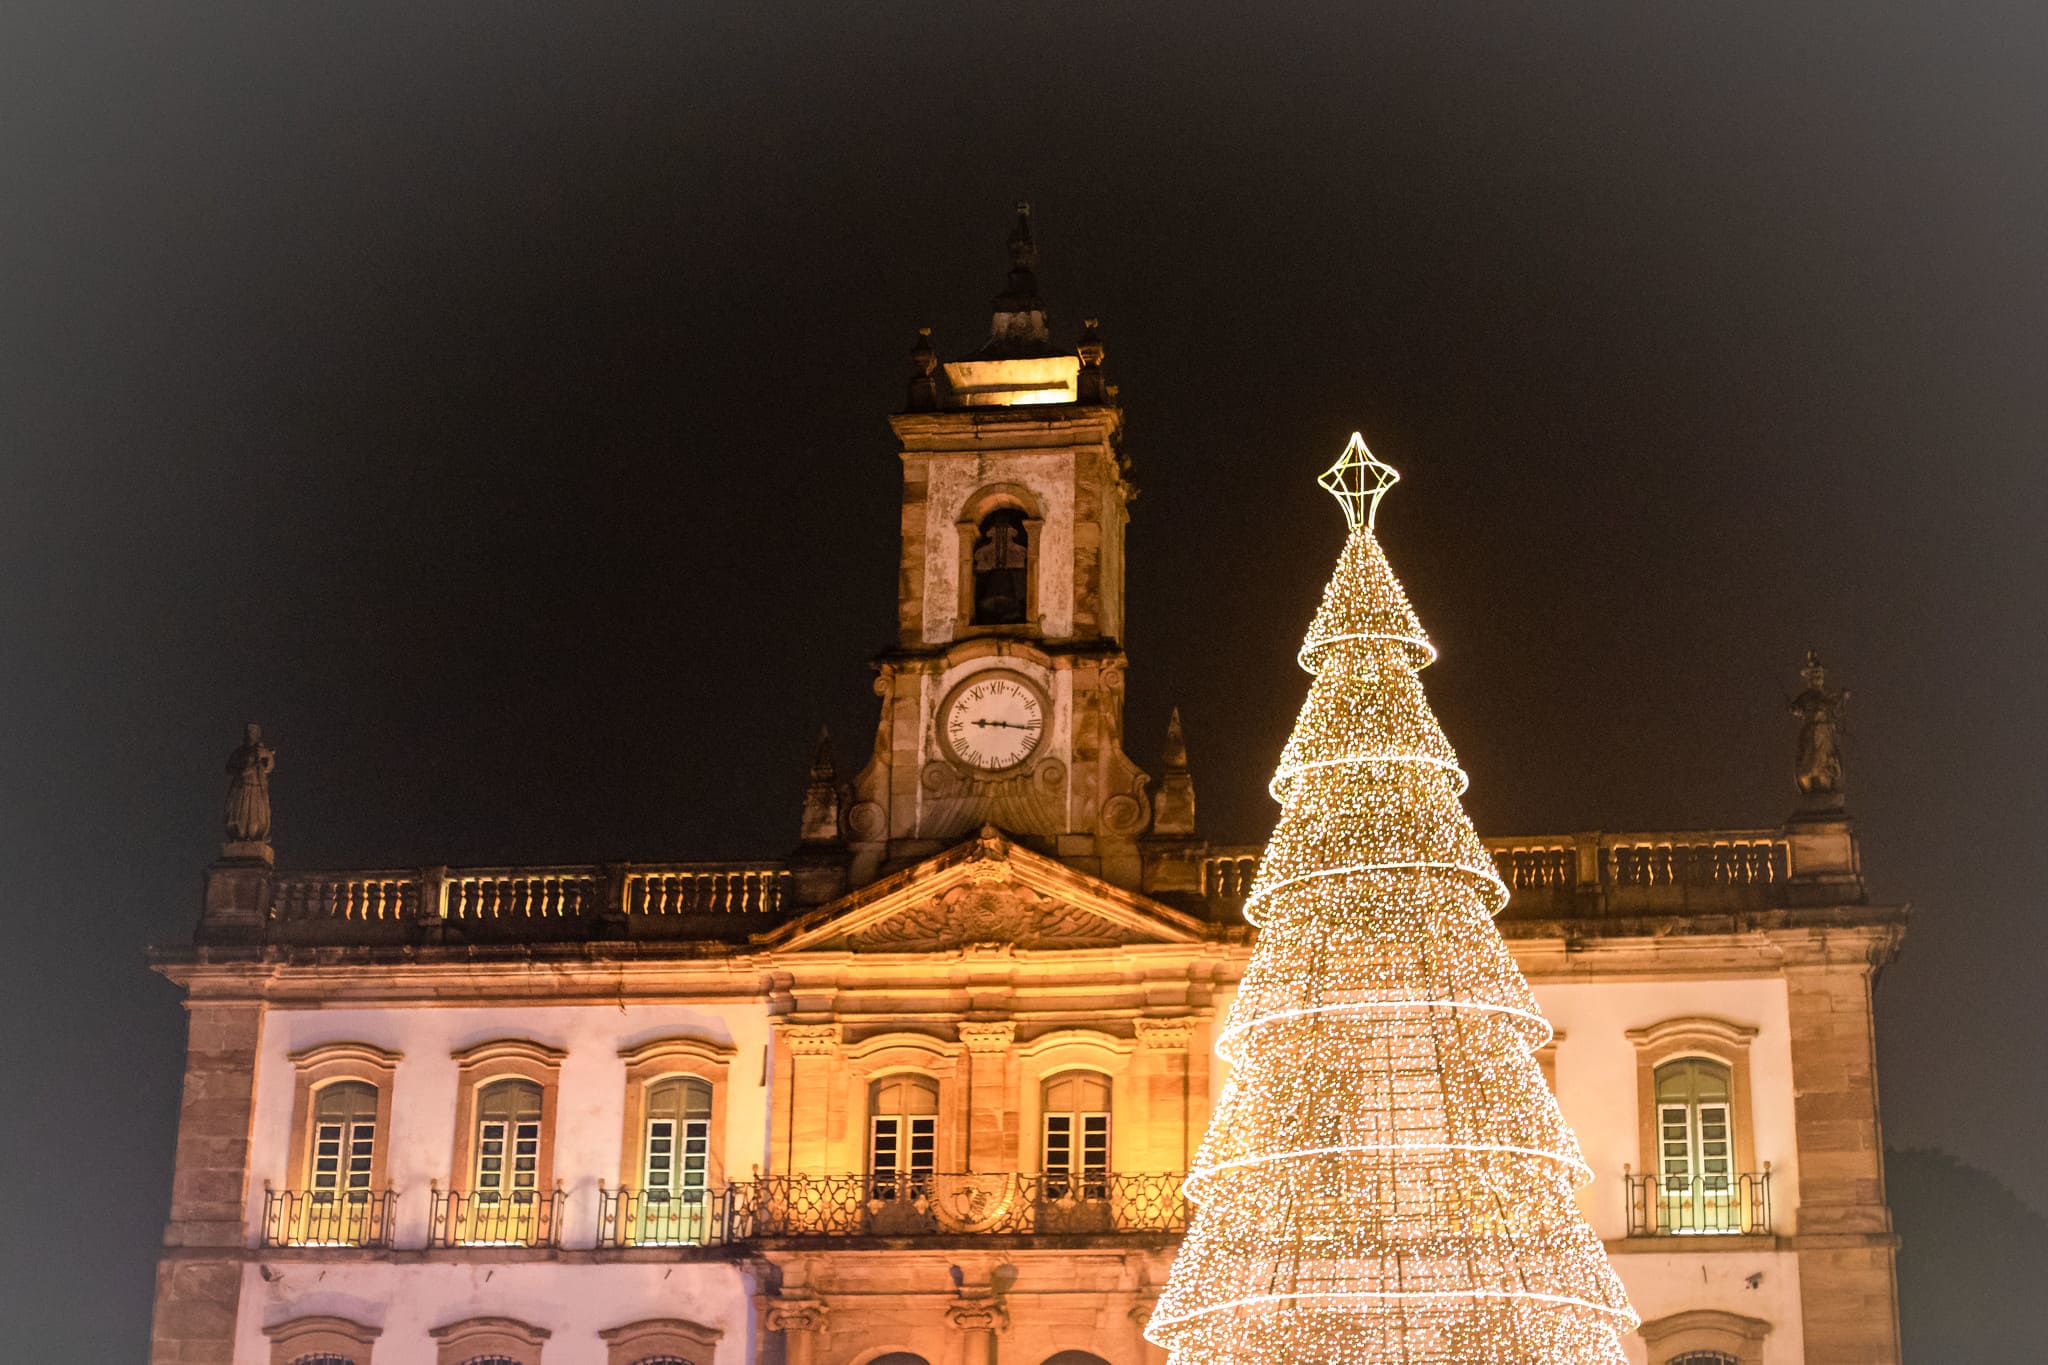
{"x":1973,"y":1263}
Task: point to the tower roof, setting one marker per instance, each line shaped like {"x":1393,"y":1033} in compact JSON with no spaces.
{"x":1018,"y":330}
{"x":1019,"y":364}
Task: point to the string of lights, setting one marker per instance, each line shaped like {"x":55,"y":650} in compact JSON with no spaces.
{"x":1387,"y":1178}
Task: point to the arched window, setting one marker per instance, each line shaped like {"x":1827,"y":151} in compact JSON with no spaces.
{"x":507,"y":1138}
{"x":1075,"y":1358}
{"x":1703,"y":1358}
{"x":344,"y":1142}
{"x":1002,"y":569}
{"x":678,"y":1139}
{"x":903,"y":1135}
{"x":899,"y":1358}
{"x":1074,"y":1144}
{"x":321,"y":1339}
{"x":1695,"y":1142}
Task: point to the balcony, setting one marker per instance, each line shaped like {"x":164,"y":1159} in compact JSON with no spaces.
{"x":925,"y":1205}
{"x":493,"y":1218}
{"x":327,"y":1218}
{"x":1701,"y":1206}
{"x":661,"y":1218}
{"x":959,"y":1205}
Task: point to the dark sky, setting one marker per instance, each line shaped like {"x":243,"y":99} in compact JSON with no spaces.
{"x":489,"y":399}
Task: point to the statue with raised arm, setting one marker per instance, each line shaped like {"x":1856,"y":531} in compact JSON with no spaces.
{"x":248,"y":807}
{"x":1819,"y":709}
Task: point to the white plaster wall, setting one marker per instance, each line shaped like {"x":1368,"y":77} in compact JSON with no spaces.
{"x":1659,"y":1286}
{"x":1596,"y":1078}
{"x":590,"y":1117}
{"x":573,"y":1302}
{"x":950,"y":481}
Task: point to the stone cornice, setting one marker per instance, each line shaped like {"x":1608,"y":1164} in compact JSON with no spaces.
{"x":1666,"y":948}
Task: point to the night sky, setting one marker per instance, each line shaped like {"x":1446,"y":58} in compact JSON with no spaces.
{"x":489,"y":400}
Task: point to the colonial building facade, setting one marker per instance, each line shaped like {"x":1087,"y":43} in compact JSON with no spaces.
{"x":922,"y":1091}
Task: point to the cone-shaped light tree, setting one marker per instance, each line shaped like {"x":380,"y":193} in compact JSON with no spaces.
{"x":1387,"y":1179}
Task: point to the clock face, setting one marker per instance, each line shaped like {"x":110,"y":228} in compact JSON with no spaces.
{"x":992,"y":721}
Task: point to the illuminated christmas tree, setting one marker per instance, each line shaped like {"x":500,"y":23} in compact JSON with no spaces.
{"x":1387,"y":1178}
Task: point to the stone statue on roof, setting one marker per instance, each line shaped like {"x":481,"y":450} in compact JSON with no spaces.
{"x":1820,"y":711}
{"x":248,"y":805}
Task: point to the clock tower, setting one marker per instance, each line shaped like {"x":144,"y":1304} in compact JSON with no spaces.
{"x":1002,"y":698}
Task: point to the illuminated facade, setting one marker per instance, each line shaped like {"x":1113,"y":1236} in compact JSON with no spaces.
{"x":925,"y":1088}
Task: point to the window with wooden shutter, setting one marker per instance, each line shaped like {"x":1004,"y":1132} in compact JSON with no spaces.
{"x":1074,"y":1145}
{"x":903,"y":1129}
{"x":508,"y":1138}
{"x":344,"y":1141}
{"x":1696,"y":1146}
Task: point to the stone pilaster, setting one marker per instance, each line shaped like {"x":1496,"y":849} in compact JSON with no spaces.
{"x":1142,"y":1349}
{"x":978,"y":1320}
{"x":1847,"y":1272}
{"x":199,"y":1279}
{"x":808,"y":1059}
{"x":991,"y":1119}
{"x":1162,"y":1075}
{"x":801,"y":1322}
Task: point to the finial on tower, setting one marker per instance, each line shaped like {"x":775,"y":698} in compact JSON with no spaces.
{"x":1358,"y":481}
{"x":924,"y":383}
{"x":1173,"y":802}
{"x":1088,"y":384}
{"x":821,"y":795}
{"x":1023,"y":251}
{"x":1019,"y":327}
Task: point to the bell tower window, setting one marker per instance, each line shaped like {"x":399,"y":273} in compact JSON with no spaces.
{"x":1002,"y":569}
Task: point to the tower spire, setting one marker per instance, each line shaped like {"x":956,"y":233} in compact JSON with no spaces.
{"x":1018,"y":329}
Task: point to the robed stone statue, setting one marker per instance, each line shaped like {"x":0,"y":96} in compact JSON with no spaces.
{"x":1819,"y":709}
{"x":248,"y":807}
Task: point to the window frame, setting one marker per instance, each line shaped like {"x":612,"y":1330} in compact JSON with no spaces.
{"x":907,"y":1142}
{"x":324,"y":1065}
{"x":322,"y":1334}
{"x":1709,"y":1039}
{"x":1705,"y":1329}
{"x":484,"y":1065}
{"x":1077,"y":1170}
{"x":675,"y":1057}
{"x":872,"y":1059}
{"x":472,"y":1339}
{"x":654,"y":1338}
{"x":1068,"y":1050}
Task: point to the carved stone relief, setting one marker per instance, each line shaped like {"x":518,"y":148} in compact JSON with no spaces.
{"x":990,"y":912}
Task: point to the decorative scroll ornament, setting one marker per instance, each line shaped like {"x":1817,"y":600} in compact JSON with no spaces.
{"x":1358,"y":481}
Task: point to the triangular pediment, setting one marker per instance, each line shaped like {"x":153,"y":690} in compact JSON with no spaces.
{"x":986,"y":891}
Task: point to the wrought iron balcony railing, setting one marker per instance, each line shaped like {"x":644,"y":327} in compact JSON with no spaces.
{"x":665,"y":1218}
{"x":958,"y":1204}
{"x":495,"y":1218}
{"x":1711,"y":1205}
{"x":327,"y":1218}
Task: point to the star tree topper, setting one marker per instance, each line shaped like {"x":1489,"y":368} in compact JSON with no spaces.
{"x":1359,"y":480}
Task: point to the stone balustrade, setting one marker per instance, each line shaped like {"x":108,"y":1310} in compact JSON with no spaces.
{"x":642,"y":899}
{"x":1577,"y":876}
{"x":1597,"y":873}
